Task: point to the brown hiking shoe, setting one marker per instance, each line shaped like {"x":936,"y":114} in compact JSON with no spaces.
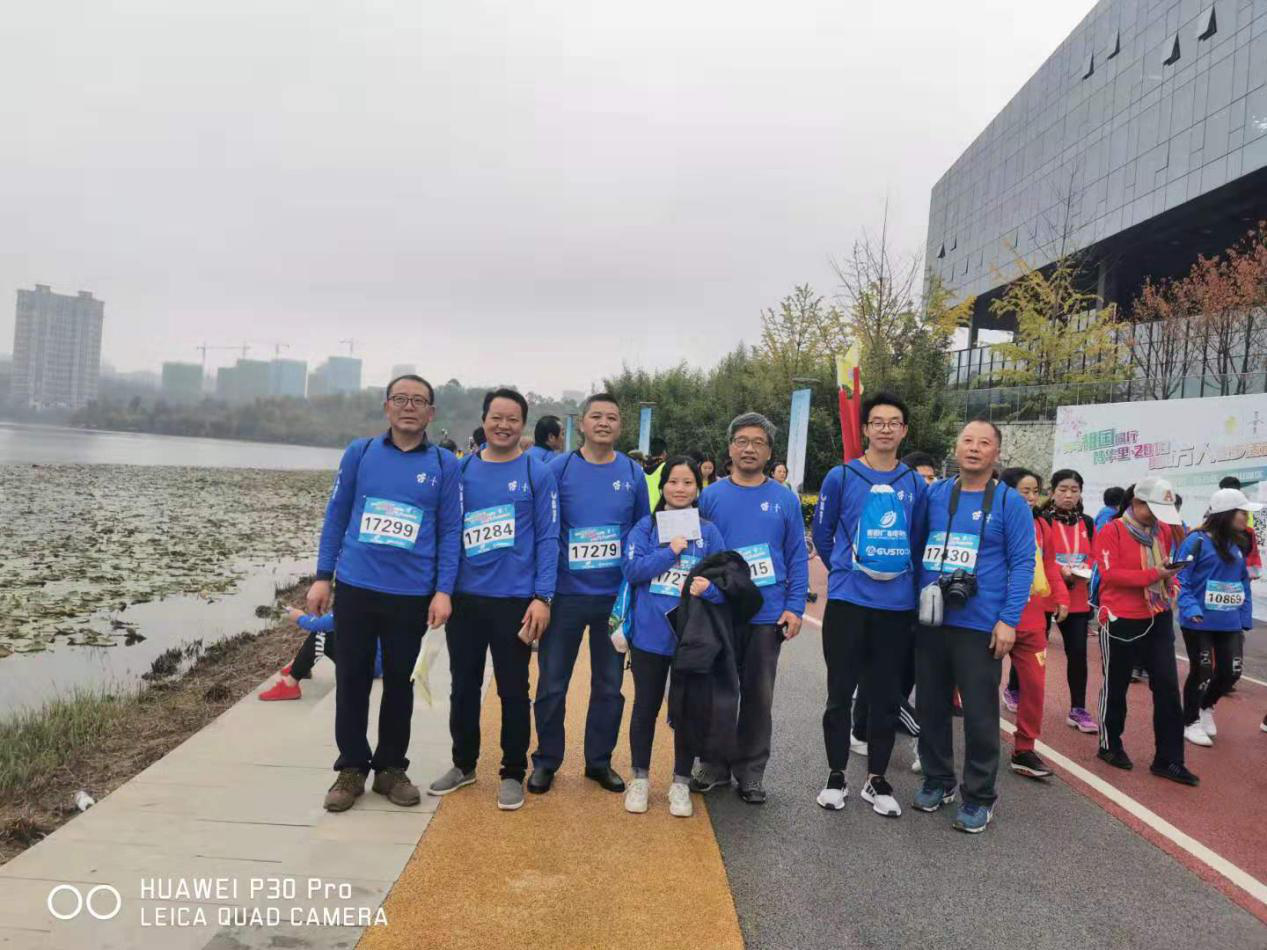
{"x":395,"y":784}
{"x":347,"y":788}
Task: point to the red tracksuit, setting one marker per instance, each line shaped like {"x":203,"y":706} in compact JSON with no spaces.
{"x":1029,"y":655}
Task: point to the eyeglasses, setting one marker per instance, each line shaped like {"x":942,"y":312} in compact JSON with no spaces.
{"x":400,"y":401}
{"x":750,"y":443}
{"x":890,"y":425}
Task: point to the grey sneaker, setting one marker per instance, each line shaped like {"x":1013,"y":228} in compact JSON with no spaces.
{"x":510,"y":794}
{"x":451,"y":781}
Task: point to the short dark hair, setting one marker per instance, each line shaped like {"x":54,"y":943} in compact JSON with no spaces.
{"x":598,"y":397}
{"x":415,"y":378}
{"x":914,"y":460}
{"x":478,"y":436}
{"x":1012,"y":476}
{"x":449,"y":444}
{"x":667,"y":470}
{"x":883,"y":398}
{"x":547,"y":428}
{"x":659,"y":446}
{"x":1113,"y":496}
{"x":1064,"y":475}
{"x":504,"y":392}
{"x":1230,"y":481}
{"x":998,"y":433}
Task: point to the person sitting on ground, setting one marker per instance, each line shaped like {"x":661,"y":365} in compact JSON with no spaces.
{"x":320,"y":640}
{"x":1215,"y":606}
{"x":656,"y":572}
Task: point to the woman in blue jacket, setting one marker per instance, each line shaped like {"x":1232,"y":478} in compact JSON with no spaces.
{"x":1214,"y":606}
{"x":656,"y":572}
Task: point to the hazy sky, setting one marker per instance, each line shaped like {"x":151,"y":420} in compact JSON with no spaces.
{"x":524,"y":192}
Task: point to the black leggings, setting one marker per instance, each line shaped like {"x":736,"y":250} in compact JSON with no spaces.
{"x":1214,"y":666}
{"x":1073,"y":630}
{"x":650,"y":676}
{"x":314,"y":645}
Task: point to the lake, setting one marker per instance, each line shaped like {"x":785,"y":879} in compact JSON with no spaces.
{"x":59,"y":445}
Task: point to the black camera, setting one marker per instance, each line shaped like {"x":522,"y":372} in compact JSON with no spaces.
{"x":957,"y":587}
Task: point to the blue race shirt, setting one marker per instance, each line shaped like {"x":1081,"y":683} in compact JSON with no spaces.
{"x":316,"y":623}
{"x":1003,"y":561}
{"x":1104,"y":516}
{"x":510,"y":528}
{"x":542,"y":454}
{"x":841,"y":498}
{"x":1213,"y":589}
{"x":598,"y":504}
{"x":393,"y":522}
{"x":656,"y":577}
{"x":763,"y":524}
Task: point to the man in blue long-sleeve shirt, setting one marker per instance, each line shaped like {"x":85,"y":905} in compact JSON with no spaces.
{"x":390,"y":543}
{"x":762,"y":522}
{"x":602,"y":495}
{"x":981,"y":533}
{"x":510,"y":556}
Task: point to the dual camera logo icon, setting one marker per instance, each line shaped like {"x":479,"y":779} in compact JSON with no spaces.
{"x":98,"y":907}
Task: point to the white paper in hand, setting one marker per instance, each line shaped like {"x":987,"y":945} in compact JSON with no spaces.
{"x":678,"y":523}
{"x":421,"y":676}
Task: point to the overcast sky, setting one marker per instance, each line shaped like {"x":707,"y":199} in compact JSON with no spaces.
{"x":523,"y":192}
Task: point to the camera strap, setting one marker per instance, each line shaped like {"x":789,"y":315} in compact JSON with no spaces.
{"x":987,"y":502}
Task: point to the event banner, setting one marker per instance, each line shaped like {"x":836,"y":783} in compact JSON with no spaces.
{"x":797,"y":433}
{"x":1192,"y":443}
{"x":644,"y":430}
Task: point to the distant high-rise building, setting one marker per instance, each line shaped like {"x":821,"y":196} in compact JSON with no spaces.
{"x":288,"y":378}
{"x":226,"y":383}
{"x":403,"y":369}
{"x":56,"y":348}
{"x":182,"y":383}
{"x":338,"y":374}
{"x":252,"y":379}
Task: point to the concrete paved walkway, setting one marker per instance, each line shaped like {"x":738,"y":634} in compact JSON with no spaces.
{"x":236,"y":807}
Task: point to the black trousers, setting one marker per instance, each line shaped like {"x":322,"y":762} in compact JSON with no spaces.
{"x":1150,"y":644}
{"x":907,"y":721}
{"x":314,"y":644}
{"x":946,"y":658}
{"x":481,"y":625}
{"x":1214,"y":666}
{"x":863,"y":644}
{"x":364,"y":618}
{"x":1073,"y":631}
{"x":650,"y":676}
{"x":757,"y":648}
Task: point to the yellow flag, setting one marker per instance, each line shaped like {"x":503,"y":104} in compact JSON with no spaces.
{"x":845,"y":366}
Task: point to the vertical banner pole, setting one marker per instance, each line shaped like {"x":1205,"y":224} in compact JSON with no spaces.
{"x":797,"y":439}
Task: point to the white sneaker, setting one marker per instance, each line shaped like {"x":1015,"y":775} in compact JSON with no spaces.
{"x":879,"y":794}
{"x":916,"y":765}
{"x":1207,"y":723}
{"x":636,"y":796}
{"x":833,"y":799}
{"x":1196,"y":735}
{"x":680,"y":800}
{"x":857,"y":746}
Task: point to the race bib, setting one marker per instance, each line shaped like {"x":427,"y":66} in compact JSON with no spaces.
{"x":670,"y":583}
{"x":760,"y":564}
{"x":961,"y":552}
{"x":593,"y":548}
{"x":1224,"y":595}
{"x":488,"y":529}
{"x":390,"y":522}
{"x":1071,"y":560}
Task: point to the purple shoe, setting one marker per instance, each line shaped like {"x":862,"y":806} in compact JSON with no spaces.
{"x":1081,"y":720}
{"x":1011,"y":698}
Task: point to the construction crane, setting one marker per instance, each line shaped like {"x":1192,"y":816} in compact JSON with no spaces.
{"x":204,"y":347}
{"x":277,"y":346}
{"x":351,"y":346}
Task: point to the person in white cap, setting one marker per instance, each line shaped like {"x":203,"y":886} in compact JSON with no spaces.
{"x":1133,"y":553}
{"x":1214,"y":606}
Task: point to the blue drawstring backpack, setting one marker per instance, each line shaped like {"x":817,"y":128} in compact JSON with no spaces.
{"x":882,"y":543}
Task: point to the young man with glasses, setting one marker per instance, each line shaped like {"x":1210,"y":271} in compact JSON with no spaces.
{"x":390,"y":544}
{"x":602,"y":495}
{"x":867,"y":514}
{"x":759,"y":520}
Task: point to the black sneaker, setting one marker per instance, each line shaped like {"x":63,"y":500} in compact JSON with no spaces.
{"x":1029,"y":764}
{"x":1176,"y":772}
{"x":753,"y":795}
{"x":1116,"y":758}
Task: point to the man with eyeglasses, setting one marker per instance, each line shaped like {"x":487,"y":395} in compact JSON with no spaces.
{"x":390,"y":545}
{"x":867,"y":514}
{"x":763,"y":524}
{"x":602,"y":495}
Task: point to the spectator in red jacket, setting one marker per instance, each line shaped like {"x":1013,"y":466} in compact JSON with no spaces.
{"x":1137,"y":589}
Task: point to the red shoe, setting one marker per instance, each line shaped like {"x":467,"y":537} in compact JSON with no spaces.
{"x":280,"y":690}
{"x":286,"y":670}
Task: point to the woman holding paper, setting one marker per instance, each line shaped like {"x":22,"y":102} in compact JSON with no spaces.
{"x":660,"y":552}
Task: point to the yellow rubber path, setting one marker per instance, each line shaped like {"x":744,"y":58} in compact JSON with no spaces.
{"x":570,"y":868}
